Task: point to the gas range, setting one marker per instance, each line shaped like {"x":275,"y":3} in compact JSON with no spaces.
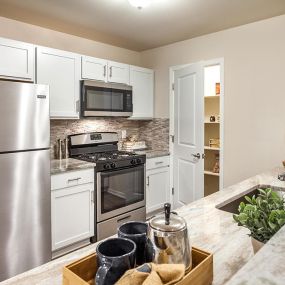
{"x":119,"y":180}
{"x":112,"y":159}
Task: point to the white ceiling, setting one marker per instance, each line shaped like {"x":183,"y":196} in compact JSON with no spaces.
{"x":163,"y":22}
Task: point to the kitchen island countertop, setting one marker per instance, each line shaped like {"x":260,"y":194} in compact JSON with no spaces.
{"x":212,"y":230}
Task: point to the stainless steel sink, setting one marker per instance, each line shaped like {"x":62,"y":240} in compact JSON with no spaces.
{"x":232,"y":205}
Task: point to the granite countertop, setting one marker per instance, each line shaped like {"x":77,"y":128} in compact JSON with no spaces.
{"x":64,"y":165}
{"x":151,"y":153}
{"x":212,"y":230}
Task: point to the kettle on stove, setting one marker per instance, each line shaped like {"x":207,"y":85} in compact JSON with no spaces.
{"x":169,"y":236}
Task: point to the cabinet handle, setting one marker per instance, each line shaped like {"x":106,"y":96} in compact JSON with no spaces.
{"x":77,"y":106}
{"x":158,"y":162}
{"x":147,"y":181}
{"x":74,"y":179}
{"x":92,"y":196}
{"x":104,"y":74}
{"x":111,"y":71}
{"x":122,"y":219}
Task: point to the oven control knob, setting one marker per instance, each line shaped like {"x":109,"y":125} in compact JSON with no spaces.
{"x":113,"y":165}
{"x":133,"y":162}
{"x":107,"y":166}
{"x":139,"y":160}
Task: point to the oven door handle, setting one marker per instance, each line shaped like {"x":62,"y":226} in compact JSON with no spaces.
{"x":123,"y":219}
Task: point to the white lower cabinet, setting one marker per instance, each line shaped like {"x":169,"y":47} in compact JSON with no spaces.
{"x":72,"y":213}
{"x":157,"y":185}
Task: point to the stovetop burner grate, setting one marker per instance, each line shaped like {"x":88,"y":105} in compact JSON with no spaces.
{"x":106,"y":156}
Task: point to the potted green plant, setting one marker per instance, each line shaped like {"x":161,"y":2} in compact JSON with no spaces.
{"x":263,"y":215}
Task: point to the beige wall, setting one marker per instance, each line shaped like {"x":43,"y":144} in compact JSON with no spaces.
{"x":254,"y":57}
{"x":37,"y":35}
{"x":254,"y":82}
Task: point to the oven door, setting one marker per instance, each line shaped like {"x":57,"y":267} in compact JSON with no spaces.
{"x":120,"y":191}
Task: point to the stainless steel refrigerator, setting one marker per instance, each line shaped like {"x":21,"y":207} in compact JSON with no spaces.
{"x":25,"y":205}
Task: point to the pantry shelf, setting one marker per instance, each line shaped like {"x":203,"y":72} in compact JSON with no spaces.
{"x":207,"y":172}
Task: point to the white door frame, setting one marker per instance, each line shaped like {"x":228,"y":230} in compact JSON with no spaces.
{"x":172,"y":69}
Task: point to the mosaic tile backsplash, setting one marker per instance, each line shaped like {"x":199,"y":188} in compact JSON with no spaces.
{"x":155,"y":132}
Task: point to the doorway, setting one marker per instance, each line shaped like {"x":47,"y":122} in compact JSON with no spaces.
{"x":196,"y":130}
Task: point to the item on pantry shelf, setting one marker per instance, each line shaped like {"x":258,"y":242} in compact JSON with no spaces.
{"x":212,"y":118}
{"x":83,"y":270}
{"x":218,"y":88}
{"x":169,"y":236}
{"x":153,"y":274}
{"x":214,"y":143}
{"x":137,"y":232}
{"x":115,"y":256}
{"x":216,"y":168}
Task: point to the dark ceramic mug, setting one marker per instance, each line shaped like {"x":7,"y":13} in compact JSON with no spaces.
{"x":138,"y":232}
{"x":114,"y":256}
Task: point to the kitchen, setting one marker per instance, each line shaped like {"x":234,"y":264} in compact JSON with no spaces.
{"x":77,"y":69}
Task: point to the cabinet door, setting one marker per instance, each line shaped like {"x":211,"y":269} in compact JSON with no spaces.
{"x":72,"y":215}
{"x":61,"y":71}
{"x":94,"y":68}
{"x":157,"y":189}
{"x":141,"y":79}
{"x":17,"y":60}
{"x":118,"y":72}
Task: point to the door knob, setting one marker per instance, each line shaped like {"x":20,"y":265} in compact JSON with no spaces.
{"x":197,"y":155}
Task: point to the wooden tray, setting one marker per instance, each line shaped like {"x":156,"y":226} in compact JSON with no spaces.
{"x":83,"y":271}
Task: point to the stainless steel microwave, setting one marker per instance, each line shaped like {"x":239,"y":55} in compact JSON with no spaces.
{"x":99,"y":99}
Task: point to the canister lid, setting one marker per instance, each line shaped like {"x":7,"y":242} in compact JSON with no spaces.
{"x":169,"y":222}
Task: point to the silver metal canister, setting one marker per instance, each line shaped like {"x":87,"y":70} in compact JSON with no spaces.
{"x":169,"y":236}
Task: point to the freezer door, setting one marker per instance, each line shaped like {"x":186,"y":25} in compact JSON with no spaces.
{"x":25,"y":211}
{"x":24,"y":116}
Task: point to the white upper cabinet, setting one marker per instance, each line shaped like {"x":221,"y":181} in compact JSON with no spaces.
{"x":118,"y":72}
{"x":16,"y":60}
{"x":142,"y":80}
{"x":94,"y":68}
{"x":61,"y":71}
{"x":103,"y":70}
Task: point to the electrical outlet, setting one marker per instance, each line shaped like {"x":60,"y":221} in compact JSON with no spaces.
{"x":124,"y":134}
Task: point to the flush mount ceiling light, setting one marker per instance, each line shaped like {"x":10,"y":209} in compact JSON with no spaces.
{"x":140,"y":3}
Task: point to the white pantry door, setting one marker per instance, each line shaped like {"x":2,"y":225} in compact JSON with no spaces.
{"x":188,"y":164}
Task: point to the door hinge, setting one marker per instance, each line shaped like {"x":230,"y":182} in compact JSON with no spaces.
{"x":173,"y":86}
{"x":172,"y":190}
{"x":172,"y":138}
